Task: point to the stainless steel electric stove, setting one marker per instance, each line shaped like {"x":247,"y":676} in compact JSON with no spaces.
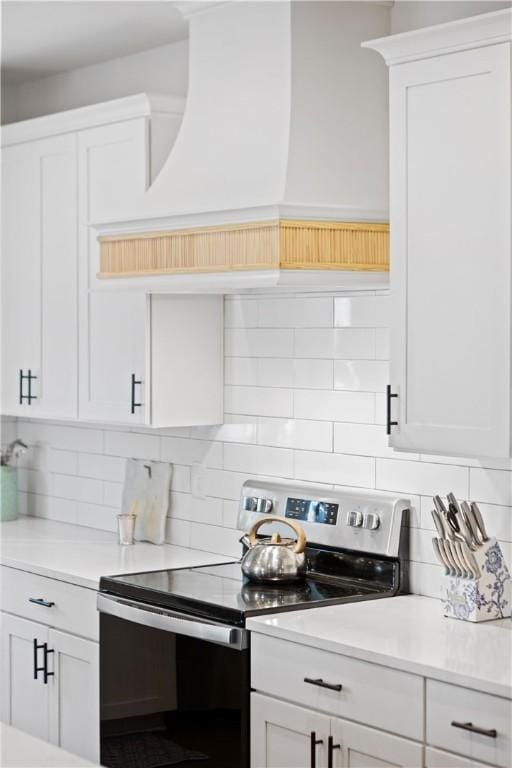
{"x":187,"y":627}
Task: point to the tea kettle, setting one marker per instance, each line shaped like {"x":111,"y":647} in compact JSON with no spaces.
{"x":272,"y":558}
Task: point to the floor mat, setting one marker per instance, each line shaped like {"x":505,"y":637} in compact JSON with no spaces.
{"x":144,"y":750}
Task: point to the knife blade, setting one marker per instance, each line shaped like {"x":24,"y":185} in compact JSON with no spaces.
{"x":479,"y":521}
{"x":440,"y":556}
{"x":438,"y":522}
{"x":469,"y":520}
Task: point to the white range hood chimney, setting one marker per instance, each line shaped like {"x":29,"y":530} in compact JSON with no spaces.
{"x":285,"y":119}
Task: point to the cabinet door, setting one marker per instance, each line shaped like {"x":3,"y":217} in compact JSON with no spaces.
{"x":39,"y":263}
{"x":74,"y":695}
{"x":356,"y":746}
{"x":24,"y":699}
{"x":450,"y":252}
{"x":438,"y":758}
{"x":282,"y":735}
{"x":112,"y":357}
{"x":113,"y":172}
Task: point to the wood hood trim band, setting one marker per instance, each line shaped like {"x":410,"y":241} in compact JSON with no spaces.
{"x":283,"y":244}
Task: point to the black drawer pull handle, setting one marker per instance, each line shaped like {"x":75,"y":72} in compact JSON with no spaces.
{"x":41,"y":601}
{"x":389,"y":423}
{"x":322,"y":684}
{"x":491,"y":732}
{"x":330,"y":751}
{"x":314,"y":741}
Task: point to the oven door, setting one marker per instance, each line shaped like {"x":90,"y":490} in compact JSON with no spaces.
{"x":171,"y":687}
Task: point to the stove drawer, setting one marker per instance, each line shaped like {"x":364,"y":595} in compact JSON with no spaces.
{"x":49,"y":601}
{"x":448,"y":704}
{"x":369,"y":693}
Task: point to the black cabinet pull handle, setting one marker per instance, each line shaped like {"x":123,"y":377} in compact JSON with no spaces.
{"x":314,"y":742}
{"x":47,"y":674}
{"x":41,"y":601}
{"x":330,"y":751}
{"x":26,"y":377}
{"x":30,"y":378}
{"x":37,"y":669}
{"x":134,"y":404}
{"x":321,"y":684}
{"x":491,"y":732}
{"x":389,"y":423}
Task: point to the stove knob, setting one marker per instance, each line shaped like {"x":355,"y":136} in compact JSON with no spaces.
{"x":264,"y":506}
{"x":355,"y":518}
{"x":250,"y":503}
{"x":371,"y":521}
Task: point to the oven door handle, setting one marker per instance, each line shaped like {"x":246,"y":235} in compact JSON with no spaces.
{"x":169,"y":621}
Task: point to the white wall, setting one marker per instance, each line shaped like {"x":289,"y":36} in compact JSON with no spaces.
{"x":159,"y":70}
{"x":304,"y":399}
{"x":413,"y":14}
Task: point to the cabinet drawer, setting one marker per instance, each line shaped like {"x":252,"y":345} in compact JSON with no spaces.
{"x":74,"y":608}
{"x":450,"y":703}
{"x":370,"y":693}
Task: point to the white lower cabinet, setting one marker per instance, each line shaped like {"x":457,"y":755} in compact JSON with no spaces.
{"x":50,"y":685}
{"x":286,"y":736}
{"x":74,"y":694}
{"x":438,"y":758}
{"x":24,"y":699}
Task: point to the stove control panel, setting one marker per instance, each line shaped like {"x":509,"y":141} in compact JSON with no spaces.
{"x":364,"y":521}
{"x":312,"y":511}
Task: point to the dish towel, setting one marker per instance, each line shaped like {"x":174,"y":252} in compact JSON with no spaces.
{"x":147,"y":488}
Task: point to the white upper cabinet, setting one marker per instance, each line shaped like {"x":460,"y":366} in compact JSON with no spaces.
{"x":39,"y":278}
{"x":113,"y":170}
{"x":450,"y":145}
{"x":74,"y":345}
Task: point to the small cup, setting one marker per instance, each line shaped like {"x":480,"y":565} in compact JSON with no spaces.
{"x":126,"y":528}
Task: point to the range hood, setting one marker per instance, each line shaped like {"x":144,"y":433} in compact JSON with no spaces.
{"x":281,"y":159}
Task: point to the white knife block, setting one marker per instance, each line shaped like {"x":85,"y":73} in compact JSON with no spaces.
{"x":483,"y":599}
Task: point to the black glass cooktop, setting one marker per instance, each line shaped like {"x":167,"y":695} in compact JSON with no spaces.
{"x":222,"y":593}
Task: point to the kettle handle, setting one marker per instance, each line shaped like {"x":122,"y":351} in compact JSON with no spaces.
{"x":300,"y":544}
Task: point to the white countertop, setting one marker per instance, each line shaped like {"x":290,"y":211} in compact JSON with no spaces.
{"x":82,"y":555}
{"x":20,"y":750}
{"x":408,"y":633}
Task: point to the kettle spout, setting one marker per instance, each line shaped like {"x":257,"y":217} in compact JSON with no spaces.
{"x":245,"y":541}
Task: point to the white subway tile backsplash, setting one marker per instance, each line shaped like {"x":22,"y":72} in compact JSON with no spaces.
{"x":343,"y":343}
{"x":78,"y":488}
{"x":304,"y":399}
{"x":361,"y":312}
{"x":293,"y":433}
{"x":334,"y":468}
{"x":362,"y":439}
{"x":361,"y":375}
{"x":186,"y":451}
{"x":334,"y":406}
{"x":132,"y":445}
{"x":296,"y":312}
{"x":258,"y":342}
{"x":490,"y":485}
{"x":240,"y":313}
{"x":101,"y":467}
{"x":113,"y":495}
{"x":258,"y":460}
{"x":254,"y":401}
{"x":420,"y":478}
